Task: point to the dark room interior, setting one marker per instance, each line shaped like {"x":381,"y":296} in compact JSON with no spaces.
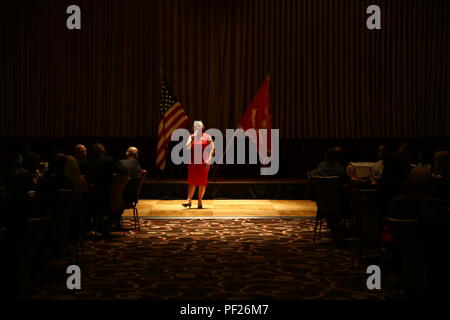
{"x":353,"y":94}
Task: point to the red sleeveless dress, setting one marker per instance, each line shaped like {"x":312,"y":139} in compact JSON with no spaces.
{"x":198,"y":173}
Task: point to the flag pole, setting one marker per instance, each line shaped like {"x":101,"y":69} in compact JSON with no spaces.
{"x":161,"y":79}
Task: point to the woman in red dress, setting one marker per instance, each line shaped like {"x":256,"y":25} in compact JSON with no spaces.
{"x":202,"y":148}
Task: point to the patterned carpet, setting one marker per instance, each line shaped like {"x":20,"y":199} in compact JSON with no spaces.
{"x":214,"y":259}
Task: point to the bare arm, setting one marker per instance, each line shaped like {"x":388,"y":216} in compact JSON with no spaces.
{"x":211,"y":153}
{"x":189,"y":143}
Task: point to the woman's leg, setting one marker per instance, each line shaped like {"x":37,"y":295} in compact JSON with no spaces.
{"x":191,"y":190}
{"x":201,"y":192}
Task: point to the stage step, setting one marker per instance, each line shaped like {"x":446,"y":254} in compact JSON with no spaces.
{"x":287,"y":189}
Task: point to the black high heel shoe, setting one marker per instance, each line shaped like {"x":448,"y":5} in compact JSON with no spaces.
{"x":200,"y":206}
{"x":187,"y":204}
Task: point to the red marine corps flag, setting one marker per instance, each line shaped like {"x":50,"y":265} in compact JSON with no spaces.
{"x":172,"y":117}
{"x":258,"y":114}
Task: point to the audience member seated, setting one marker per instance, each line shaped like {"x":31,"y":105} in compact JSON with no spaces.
{"x":55,"y":172}
{"x":433,"y":220}
{"x":135,"y":171}
{"x":99,"y":170}
{"x":441,"y":175}
{"x":131,"y":163}
{"x":343,"y":159}
{"x":391,"y":182}
{"x":18,"y":203}
{"x":377,"y":168}
{"x":413,"y":205}
{"x":19,"y":183}
{"x":73,"y":173}
{"x":80,"y":154}
{"x":53,"y":180}
{"x":332,"y":166}
{"x":31,"y":163}
{"x":412,"y":154}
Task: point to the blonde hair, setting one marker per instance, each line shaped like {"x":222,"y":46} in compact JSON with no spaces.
{"x":198,"y":123}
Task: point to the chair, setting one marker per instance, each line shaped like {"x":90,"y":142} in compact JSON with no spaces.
{"x":411,"y":249}
{"x":116,"y":204}
{"x":33,"y":236}
{"x":134,"y":193}
{"x":79,"y":220}
{"x":368,"y":218}
{"x":67,"y":220}
{"x":329,"y":200}
{"x":62,"y":215}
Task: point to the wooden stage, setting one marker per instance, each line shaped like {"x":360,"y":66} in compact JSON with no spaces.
{"x":232,"y":208}
{"x":228,"y":189}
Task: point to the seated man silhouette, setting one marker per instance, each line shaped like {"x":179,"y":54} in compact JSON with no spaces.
{"x":331,"y":166}
{"x":100,"y":169}
{"x":434,"y":223}
{"x":131,"y":164}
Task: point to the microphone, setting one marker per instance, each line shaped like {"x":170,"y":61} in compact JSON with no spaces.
{"x":197,"y":131}
{"x":197,"y":128}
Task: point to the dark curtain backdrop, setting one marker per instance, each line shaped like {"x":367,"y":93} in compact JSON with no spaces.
{"x":330,"y":76}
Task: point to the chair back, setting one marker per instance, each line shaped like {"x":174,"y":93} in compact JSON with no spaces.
{"x":61,"y":218}
{"x":328,"y":193}
{"x":118,"y":184}
{"x":78,"y":216}
{"x":410,"y":244}
{"x":133,"y":190}
{"x":141,"y":182}
{"x":368,"y":216}
{"x":34,"y":234}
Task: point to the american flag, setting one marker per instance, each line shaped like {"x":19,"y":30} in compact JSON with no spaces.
{"x":172,"y":117}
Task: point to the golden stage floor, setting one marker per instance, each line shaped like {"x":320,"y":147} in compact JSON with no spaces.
{"x":227,"y":208}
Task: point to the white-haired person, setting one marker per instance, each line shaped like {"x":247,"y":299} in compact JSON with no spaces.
{"x":201,"y":147}
{"x":131,"y":163}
